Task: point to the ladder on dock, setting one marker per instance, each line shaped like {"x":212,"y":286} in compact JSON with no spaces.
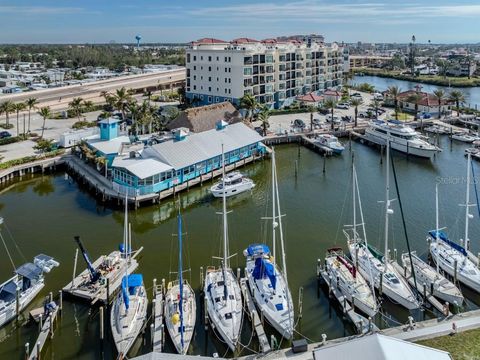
{"x":45,"y":332}
{"x":158,"y":328}
{"x":362,"y":324}
{"x":425,"y":291}
{"x":256,"y":323}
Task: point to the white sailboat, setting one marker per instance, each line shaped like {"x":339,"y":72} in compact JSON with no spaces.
{"x":129,"y":311}
{"x":377,"y":267}
{"x":452,"y":257}
{"x":267,"y":282}
{"x":180,"y":305}
{"x":222,"y":291}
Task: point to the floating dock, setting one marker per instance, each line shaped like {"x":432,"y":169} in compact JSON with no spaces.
{"x":45,"y":332}
{"x":256,"y":323}
{"x":81,"y":286}
{"x":158,"y":331}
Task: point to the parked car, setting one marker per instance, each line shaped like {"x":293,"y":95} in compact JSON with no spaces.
{"x":298,"y":123}
{"x":323,"y":111}
{"x":259,"y":130}
{"x":336,"y":120}
{"x":4,"y":134}
{"x":425,"y":115}
{"x":378,"y":96}
{"x":345,"y":106}
{"x":347,"y":118}
{"x":363,"y":115}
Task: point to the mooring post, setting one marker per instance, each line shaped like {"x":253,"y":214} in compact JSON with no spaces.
{"x":38,"y":351}
{"x":324,"y":161}
{"x":152,"y":332}
{"x":201,"y":276}
{"x":154,"y":288}
{"x":405,"y":271}
{"x":74,"y":267}
{"x":101,"y":324}
{"x":300,"y":302}
{"x":424,"y":290}
{"x":238,"y":274}
{"x":380,"y":290}
{"x":455,"y":265}
{"x":27,"y":350}
{"x":324,"y":339}
{"x":60,"y":300}
{"x":108,"y":291}
{"x":381,"y":154}
{"x":296,"y":168}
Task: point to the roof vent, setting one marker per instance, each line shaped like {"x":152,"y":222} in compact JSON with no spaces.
{"x":221,"y":124}
{"x":132,"y":154}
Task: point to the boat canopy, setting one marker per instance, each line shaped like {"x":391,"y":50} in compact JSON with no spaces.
{"x":10,"y":288}
{"x":258,"y":249}
{"x":375,"y":253}
{"x":29,"y":271}
{"x":133,"y":281}
{"x":443,"y":236}
{"x":264,"y":268}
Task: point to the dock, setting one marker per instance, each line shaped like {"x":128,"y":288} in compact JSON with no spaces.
{"x":362,"y":324}
{"x":81,"y":287}
{"x":157,"y":327}
{"x":45,"y":332}
{"x":256,"y":321}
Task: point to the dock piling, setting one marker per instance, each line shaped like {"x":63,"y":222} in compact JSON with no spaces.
{"x":60,"y":300}
{"x":27,"y":350}
{"x":455,"y":266}
{"x":38,"y":350}
{"x":101,"y":324}
{"x":300,"y":303}
{"x":324,"y":161}
{"x":152,"y":328}
{"x":74,"y":267}
{"x":154,"y":287}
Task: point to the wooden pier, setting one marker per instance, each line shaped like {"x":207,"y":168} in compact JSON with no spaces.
{"x":40,"y":165}
{"x":80,"y":285}
{"x":45,"y":332}
{"x":256,"y":321}
{"x":158,"y":330}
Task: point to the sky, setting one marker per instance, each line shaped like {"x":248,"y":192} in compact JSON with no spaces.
{"x":101,"y":21}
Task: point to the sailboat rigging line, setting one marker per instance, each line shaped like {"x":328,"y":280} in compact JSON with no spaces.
{"x":475,"y":187}
{"x":14,"y":242}
{"x":404,"y":224}
{"x":8,"y":252}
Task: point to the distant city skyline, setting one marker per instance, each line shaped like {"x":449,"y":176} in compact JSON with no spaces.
{"x":53,"y":21}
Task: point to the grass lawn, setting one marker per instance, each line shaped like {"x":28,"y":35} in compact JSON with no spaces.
{"x":462,"y":346}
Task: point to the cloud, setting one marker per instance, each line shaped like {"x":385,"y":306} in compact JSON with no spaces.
{"x":40,"y":10}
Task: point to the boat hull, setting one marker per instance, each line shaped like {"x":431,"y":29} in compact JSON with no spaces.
{"x":402,"y":147}
{"x":232,"y":190}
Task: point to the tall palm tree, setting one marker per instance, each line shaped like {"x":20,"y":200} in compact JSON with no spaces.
{"x":134,"y":110}
{"x":19,"y":107}
{"x":440,"y":95}
{"x":415,"y":99}
{"x":249,"y":103}
{"x":31,"y":103}
{"x":122,"y":98}
{"x":7,"y":107}
{"x":376,"y":104}
{"x":458,"y":97}
{"x":330,"y":104}
{"x":263,"y":116}
{"x":355,"y":103}
{"x":75,"y":107}
{"x":45,"y":113}
{"x":393,"y":92}
{"x":88,"y":105}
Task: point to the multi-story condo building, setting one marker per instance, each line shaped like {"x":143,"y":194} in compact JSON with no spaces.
{"x":274,"y":72}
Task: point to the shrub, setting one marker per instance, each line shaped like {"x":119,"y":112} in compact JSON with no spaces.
{"x":5,"y":126}
{"x":28,"y":159}
{"x":10,"y":140}
{"x":83,"y":124}
{"x":44,"y":145}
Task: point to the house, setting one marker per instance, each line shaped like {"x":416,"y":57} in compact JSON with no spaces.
{"x":205,"y":117}
{"x":310,"y":99}
{"x":333,"y":95}
{"x":427,"y":104}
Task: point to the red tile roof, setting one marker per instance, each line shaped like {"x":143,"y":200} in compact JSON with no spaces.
{"x":244,"y":41}
{"x":269,"y":41}
{"x":310,"y":98}
{"x":209,"y":41}
{"x":427,"y":98}
{"x":332,"y":93}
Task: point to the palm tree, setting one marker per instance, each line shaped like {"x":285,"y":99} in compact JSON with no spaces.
{"x":88,"y":105}
{"x":376,"y":104}
{"x":31,"y":103}
{"x":393,"y":92}
{"x":122,"y":98}
{"x":440,"y":95}
{"x":263,"y":116}
{"x":249,"y":103}
{"x":458,"y":97}
{"x":134,"y":110}
{"x":7,"y":107}
{"x":75,"y":107}
{"x":355,"y":103}
{"x":330,"y":104}
{"x":19,"y":107}
{"x":415,"y":99}
{"x":44,"y":113}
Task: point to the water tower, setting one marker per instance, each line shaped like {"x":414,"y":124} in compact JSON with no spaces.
{"x":138,"y":38}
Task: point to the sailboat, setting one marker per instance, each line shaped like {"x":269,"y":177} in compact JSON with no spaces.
{"x":129,"y":311}
{"x":376,"y":267}
{"x":452,"y":257}
{"x":267,"y":283}
{"x":180,"y":306}
{"x":436,"y":283}
{"x":222,"y":291}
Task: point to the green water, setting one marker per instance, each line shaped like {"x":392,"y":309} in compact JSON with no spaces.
{"x":44,"y":213}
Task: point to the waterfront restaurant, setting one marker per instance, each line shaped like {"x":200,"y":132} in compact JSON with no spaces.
{"x":162,"y":166}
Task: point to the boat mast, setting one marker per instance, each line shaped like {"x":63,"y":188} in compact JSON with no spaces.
{"x":274,"y":223}
{"x":354,"y":203}
{"x":180,"y":276}
{"x":436,"y":223}
{"x":467,"y":203}
{"x":387,"y":202}
{"x":224,"y":213}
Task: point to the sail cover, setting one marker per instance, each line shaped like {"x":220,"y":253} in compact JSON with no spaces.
{"x":442,"y":236}
{"x":258,"y":249}
{"x":264,"y":268}
{"x":133,"y":281}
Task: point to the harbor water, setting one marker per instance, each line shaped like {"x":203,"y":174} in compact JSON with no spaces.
{"x":43,"y":213}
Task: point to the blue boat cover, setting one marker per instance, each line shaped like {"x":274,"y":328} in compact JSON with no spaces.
{"x":121,"y":248}
{"x":396,"y":122}
{"x":258,"y":249}
{"x":29,"y":271}
{"x":442,"y":236}
{"x":264,"y":268}
{"x":134,"y":280}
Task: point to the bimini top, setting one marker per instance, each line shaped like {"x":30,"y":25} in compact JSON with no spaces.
{"x":29,"y":271}
{"x":442,"y":236}
{"x":258,"y":249}
{"x":134,"y":280}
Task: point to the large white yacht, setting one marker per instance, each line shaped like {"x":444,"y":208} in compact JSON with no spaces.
{"x":402,"y":138}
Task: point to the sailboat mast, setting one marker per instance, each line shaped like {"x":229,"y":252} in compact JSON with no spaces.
{"x":467,"y":202}
{"x":224,"y":213}
{"x":280,"y":228}
{"x":180,"y":276}
{"x":387,"y":201}
{"x":273,"y":207}
{"x":436,"y":222}
{"x":354,"y":204}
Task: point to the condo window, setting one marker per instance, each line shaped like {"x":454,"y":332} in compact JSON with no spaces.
{"x":209,"y":68}
{"x":217,"y":99}
{"x":209,"y":89}
{"x":225,"y":59}
{"x":194,"y":87}
{"x":209,"y":99}
{"x":188,"y":58}
{"x":226,"y":70}
{"x":201,"y":58}
{"x":209,"y":78}
{"x":209,"y":58}
{"x":217,"y":58}
{"x":194,"y":77}
{"x":194,"y":67}
{"x":194,"y":58}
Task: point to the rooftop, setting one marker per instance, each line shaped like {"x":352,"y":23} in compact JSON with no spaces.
{"x":108,"y":147}
{"x":140,"y":167}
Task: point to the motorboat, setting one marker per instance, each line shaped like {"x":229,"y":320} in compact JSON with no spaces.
{"x":233,"y":183}
{"x":402,"y":138}
{"x":436,"y":129}
{"x":464,"y":137}
{"x":345,"y":277}
{"x":331,"y":142}
{"x":18,"y":292}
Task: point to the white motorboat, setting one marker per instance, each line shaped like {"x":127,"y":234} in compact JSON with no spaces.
{"x":464,"y":137}
{"x":402,"y":138}
{"x":180,"y":305}
{"x":18,"y":291}
{"x":452,"y":257}
{"x":222,"y":291}
{"x":331,"y":142}
{"x":266,"y":280}
{"x":436,"y":129}
{"x":233,"y":183}
{"x":344,"y":276}
{"x":129,"y":312}
{"x":373,"y":265}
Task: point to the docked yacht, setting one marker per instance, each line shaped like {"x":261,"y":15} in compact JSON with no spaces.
{"x":402,"y":138}
{"x":26,"y":283}
{"x":330,"y":142}
{"x":464,"y":137}
{"x":233,"y":183}
{"x":343,"y":274}
{"x":436,"y":129}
